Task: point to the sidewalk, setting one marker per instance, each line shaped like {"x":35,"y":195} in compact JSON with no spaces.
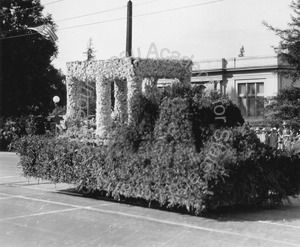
{"x":33,"y":214}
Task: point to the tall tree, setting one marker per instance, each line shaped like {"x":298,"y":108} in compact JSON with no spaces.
{"x":90,"y":51}
{"x":29,"y":81}
{"x":284,"y":107}
{"x":289,"y":45}
{"x":242,"y":52}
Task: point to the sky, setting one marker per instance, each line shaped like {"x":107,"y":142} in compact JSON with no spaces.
{"x":196,"y":29}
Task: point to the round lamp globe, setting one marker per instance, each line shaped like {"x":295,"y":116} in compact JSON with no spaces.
{"x":56,"y":99}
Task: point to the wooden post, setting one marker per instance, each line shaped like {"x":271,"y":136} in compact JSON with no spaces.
{"x":1,"y":81}
{"x":129,"y":29}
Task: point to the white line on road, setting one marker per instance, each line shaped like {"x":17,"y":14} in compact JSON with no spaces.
{"x":92,"y":208}
{"x":9,"y":177}
{"x":193,"y":226}
{"x":49,"y":201}
{"x":8,"y":197}
{"x":56,"y":190}
{"x":278,"y":224}
{"x":11,"y":171}
{"x":39,"y":214}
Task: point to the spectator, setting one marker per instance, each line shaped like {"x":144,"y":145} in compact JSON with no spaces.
{"x":297,"y":136}
{"x":257,"y":132}
{"x":287,"y":144}
{"x":280,"y":139}
{"x":273,"y":138}
{"x":264,"y":138}
{"x":62,"y":125}
{"x":285,"y":129}
{"x":293,"y":138}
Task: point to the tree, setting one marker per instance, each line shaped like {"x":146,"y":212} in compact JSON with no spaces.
{"x":29,"y":81}
{"x":289,"y":46}
{"x":242,"y":52}
{"x":90,"y":51}
{"x":284,"y":107}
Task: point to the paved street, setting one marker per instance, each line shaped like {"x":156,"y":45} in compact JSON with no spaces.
{"x":42,"y":214}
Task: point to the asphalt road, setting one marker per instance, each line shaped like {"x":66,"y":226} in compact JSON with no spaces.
{"x":42,"y":214}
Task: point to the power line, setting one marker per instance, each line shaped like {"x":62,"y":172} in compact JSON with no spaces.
{"x":81,"y":16}
{"x":122,"y":18}
{"x":104,"y":11}
{"x":17,"y":11}
{"x":52,"y":2}
{"x":17,"y":36}
{"x":93,"y":23}
{"x":95,"y":13}
{"x":179,"y":8}
{"x":138,"y":4}
{"x":151,"y":13}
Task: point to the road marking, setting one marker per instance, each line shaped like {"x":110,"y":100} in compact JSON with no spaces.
{"x":4,"y":170}
{"x":39,"y":214}
{"x":56,"y":190}
{"x":192,"y":226}
{"x":8,"y":197}
{"x":53,"y":202}
{"x":10,"y":177}
{"x":92,"y":208}
{"x":278,"y":224}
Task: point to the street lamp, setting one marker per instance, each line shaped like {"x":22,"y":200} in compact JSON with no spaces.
{"x":56,"y":118}
{"x":56,"y":99}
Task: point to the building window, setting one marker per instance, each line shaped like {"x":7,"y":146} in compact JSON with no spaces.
{"x":250,"y":99}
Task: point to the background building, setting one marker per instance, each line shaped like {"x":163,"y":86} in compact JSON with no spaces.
{"x":246,"y":80}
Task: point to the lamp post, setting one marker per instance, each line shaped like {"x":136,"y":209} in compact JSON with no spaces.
{"x":56,"y":99}
{"x":56,"y":119}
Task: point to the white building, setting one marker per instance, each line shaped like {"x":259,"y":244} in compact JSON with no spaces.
{"x":244,"y":79}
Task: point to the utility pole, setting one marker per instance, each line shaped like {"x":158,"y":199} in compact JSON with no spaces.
{"x":1,"y":76}
{"x":1,"y":84}
{"x":129,"y":29}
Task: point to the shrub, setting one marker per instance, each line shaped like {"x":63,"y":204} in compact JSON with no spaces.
{"x":284,"y":107}
{"x":13,"y":128}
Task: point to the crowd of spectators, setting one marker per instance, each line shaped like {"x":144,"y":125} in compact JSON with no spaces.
{"x":278,"y":138}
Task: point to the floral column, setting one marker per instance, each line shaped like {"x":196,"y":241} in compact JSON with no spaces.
{"x":103,"y":106}
{"x":120,"y":95}
{"x":134,"y":85}
{"x":71,"y":98}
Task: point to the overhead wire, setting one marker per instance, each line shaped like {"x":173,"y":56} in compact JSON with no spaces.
{"x":95,"y":13}
{"x":17,"y":36}
{"x":17,"y":11}
{"x":139,"y":15}
{"x":138,"y":4}
{"x":122,"y":18}
{"x":105,"y":11}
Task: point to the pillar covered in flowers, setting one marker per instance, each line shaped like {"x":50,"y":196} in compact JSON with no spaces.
{"x":103,"y":106}
{"x":120,"y":94}
{"x":134,"y":85}
{"x":71,"y":98}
